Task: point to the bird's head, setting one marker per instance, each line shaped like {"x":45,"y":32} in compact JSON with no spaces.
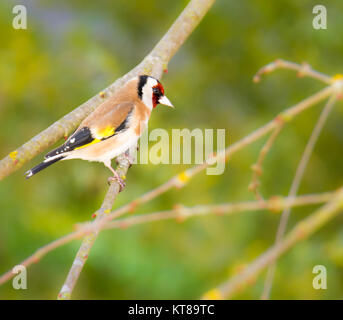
{"x":151,"y":92}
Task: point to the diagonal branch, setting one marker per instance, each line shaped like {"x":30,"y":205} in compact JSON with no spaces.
{"x":300,"y":232}
{"x":153,"y":64}
{"x":295,"y":186}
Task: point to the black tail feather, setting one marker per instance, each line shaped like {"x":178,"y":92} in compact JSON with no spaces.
{"x":41,"y":166}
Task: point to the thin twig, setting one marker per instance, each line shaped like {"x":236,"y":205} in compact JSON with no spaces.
{"x":302,"y":69}
{"x":274,"y":204}
{"x":257,"y":167}
{"x":295,"y":186}
{"x":181,"y":213}
{"x":300,"y":232}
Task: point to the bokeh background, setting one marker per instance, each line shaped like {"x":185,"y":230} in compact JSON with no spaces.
{"x":73,"y":49}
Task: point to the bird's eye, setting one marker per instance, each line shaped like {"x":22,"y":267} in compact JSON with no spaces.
{"x":156,"y":91}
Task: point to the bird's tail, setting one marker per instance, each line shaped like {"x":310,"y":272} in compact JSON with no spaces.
{"x":46,"y":163}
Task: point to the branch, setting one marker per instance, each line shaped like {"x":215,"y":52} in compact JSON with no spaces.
{"x":153,"y":64}
{"x":295,"y":186}
{"x":274,"y":204}
{"x":88,"y":241}
{"x":181,"y":213}
{"x":257,"y":167}
{"x":303,"y":70}
{"x":301,"y":231}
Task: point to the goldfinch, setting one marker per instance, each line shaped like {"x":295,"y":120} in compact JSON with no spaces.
{"x":113,"y":127}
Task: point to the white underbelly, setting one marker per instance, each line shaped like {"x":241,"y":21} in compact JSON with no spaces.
{"x":112,"y":153}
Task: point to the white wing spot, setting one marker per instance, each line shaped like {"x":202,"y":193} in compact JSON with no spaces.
{"x":29,"y":174}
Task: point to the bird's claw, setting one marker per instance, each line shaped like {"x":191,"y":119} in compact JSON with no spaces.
{"x":118,"y":179}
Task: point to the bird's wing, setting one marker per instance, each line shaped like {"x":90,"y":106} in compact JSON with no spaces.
{"x":102,"y":124}
{"x":107,"y":120}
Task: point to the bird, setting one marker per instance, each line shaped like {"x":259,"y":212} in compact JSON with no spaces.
{"x":112,"y":128}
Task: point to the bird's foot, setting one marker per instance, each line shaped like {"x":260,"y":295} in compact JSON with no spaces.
{"x":118,"y":179}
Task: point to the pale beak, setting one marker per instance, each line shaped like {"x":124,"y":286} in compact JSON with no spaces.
{"x":165,"y":101}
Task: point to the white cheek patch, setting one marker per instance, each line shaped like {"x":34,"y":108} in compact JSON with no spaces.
{"x":147,"y":92}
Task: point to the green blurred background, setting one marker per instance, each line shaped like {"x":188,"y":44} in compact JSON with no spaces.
{"x":73,"y":49}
